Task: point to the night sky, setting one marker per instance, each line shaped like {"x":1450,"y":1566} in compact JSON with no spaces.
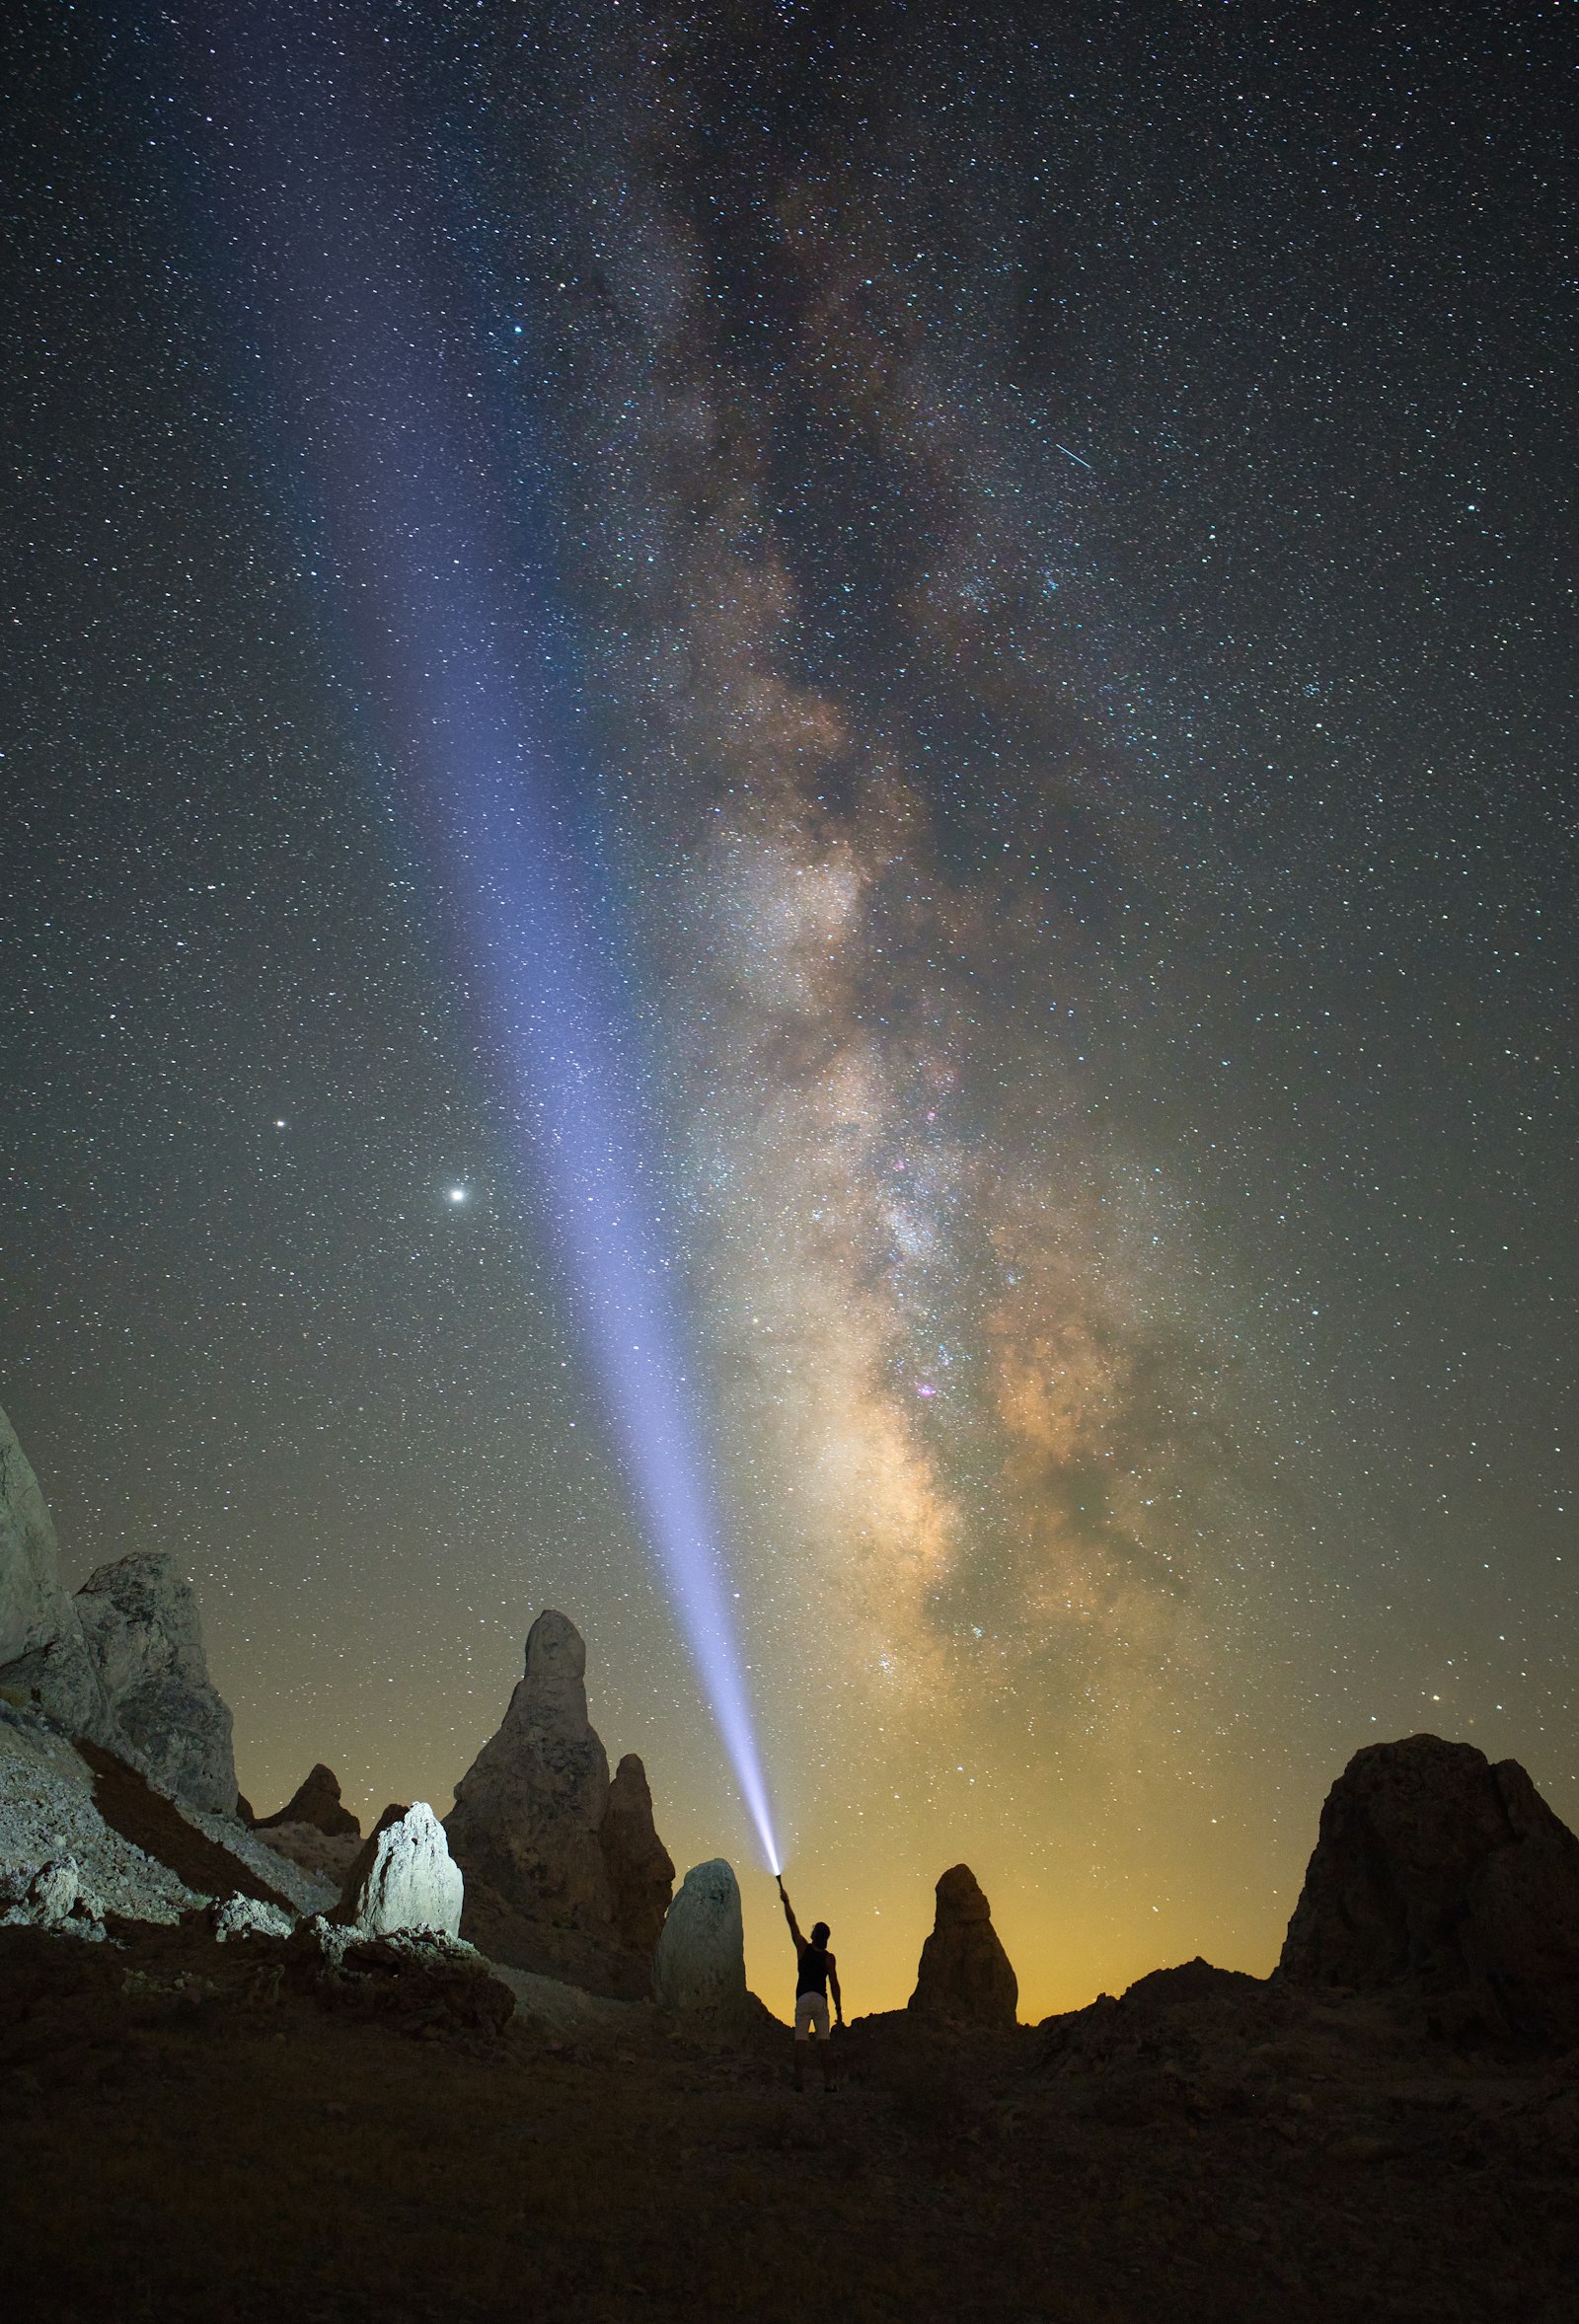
{"x":1050,"y":538}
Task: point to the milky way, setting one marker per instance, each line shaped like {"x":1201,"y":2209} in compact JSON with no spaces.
{"x":1060,"y":540}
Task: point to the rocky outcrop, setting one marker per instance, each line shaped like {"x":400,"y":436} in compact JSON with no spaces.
{"x":121,"y":1663}
{"x":136,"y":1853}
{"x":43,"y":1656}
{"x":55,"y":1897}
{"x":1434,"y":1871}
{"x":404,"y":1879}
{"x":247,"y":1917}
{"x":964,"y":1977}
{"x":315,"y":1802}
{"x":639,"y":1868}
{"x":698,"y":1969}
{"x":527,"y":1826}
{"x":414,"y":1980}
{"x":139,"y":1620}
{"x":314,"y":1830}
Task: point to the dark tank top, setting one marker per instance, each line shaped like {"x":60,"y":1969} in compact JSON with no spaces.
{"x":813,"y":1978}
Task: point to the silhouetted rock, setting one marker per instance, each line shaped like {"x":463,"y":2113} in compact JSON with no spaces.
{"x":1437,"y":1871}
{"x":964,"y":1977}
{"x":639,"y":1868}
{"x":526,"y":1828}
{"x":404,"y":1879}
{"x":244,"y":1811}
{"x":43,"y":1656}
{"x":316,"y":1802}
{"x":698,"y":1969}
{"x":139,"y":1619}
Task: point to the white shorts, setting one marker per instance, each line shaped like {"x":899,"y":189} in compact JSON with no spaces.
{"x":812,"y":2016}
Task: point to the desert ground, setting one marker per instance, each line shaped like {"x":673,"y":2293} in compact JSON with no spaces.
{"x":200,"y":2133}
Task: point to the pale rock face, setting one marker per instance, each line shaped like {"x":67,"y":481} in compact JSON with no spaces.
{"x":55,"y":1897}
{"x":43,"y":1657}
{"x":404,"y":1879}
{"x":48,"y":1812}
{"x":248,"y":1916}
{"x":527,"y":1821}
{"x":965,"y":1977}
{"x":139,"y":1620}
{"x":138,"y":1852}
{"x":698,"y":1969}
{"x":640,"y":1867}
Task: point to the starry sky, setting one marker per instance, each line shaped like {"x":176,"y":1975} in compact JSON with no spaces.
{"x":1052,"y":532}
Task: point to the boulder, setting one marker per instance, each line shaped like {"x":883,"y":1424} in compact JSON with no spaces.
{"x":55,"y":1897}
{"x":43,"y":1656}
{"x":964,"y":1977}
{"x":698,"y":1969}
{"x":248,"y":1916}
{"x":317,"y":1802}
{"x":526,"y":1828}
{"x":139,"y":1620}
{"x":639,"y":1868}
{"x":1434,"y":1871}
{"x":403,"y":1878}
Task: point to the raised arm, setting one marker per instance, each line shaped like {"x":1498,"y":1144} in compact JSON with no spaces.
{"x":789,"y":1913}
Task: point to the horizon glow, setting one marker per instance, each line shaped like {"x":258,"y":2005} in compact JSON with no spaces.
{"x":383,"y":396}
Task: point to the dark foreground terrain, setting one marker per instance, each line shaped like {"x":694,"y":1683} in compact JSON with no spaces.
{"x":193,"y":2133}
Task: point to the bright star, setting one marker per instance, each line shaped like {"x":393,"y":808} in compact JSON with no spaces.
{"x":457,"y":1194}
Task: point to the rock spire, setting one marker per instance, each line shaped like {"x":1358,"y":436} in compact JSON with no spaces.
{"x":698,"y":1969}
{"x":139,"y":1620}
{"x":404,"y":1879}
{"x":316,"y":1802}
{"x":964,"y":1977}
{"x":547,"y":1890}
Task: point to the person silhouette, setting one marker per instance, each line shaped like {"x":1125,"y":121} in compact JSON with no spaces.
{"x":817,"y":1975}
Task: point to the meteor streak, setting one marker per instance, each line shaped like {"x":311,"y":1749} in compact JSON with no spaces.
{"x":414,"y":470}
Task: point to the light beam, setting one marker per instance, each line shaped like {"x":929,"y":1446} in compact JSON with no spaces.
{"x":345,"y":227}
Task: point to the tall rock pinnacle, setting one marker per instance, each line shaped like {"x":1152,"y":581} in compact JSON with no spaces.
{"x":544,"y":1891}
{"x":964,"y":1977}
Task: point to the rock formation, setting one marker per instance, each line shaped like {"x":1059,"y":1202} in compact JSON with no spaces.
{"x":247,"y":1917}
{"x":43,"y":1657}
{"x":698,"y":1969}
{"x":142,"y":1855}
{"x":416,"y":1980}
{"x":964,"y":1977}
{"x":404,"y":1879}
{"x":641,"y":1870}
{"x":527,"y":1831}
{"x":121,"y":1663}
{"x":317,"y":1802}
{"x":55,"y":1897}
{"x":139,"y":1620}
{"x":313,"y":1830}
{"x":1435,"y":1871}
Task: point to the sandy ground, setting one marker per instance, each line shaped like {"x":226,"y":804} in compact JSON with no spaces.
{"x":193,"y":2134}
